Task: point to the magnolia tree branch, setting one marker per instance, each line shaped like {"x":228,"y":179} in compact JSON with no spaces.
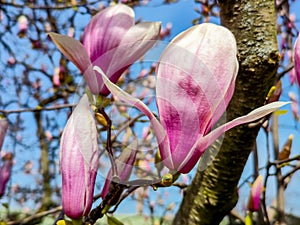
{"x":32,"y":218}
{"x":37,"y":109}
{"x":47,"y":7}
{"x":213,"y":193}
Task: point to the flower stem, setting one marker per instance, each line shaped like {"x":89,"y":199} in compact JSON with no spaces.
{"x":77,"y":222}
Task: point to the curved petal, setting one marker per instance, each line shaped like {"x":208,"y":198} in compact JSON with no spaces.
{"x":180,"y":118}
{"x":106,"y":30}
{"x":134,"y":44}
{"x":195,"y":77}
{"x":76,"y":53}
{"x":159,"y":131}
{"x":202,"y":144}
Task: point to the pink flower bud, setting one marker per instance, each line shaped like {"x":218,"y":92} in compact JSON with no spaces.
{"x":256,"y":190}
{"x":71,"y":32}
{"x":11,"y":60}
{"x":79,"y":161}
{"x":48,"y":135}
{"x":5,"y":172}
{"x":47,"y":27}
{"x":55,"y":78}
{"x":3,"y":129}
{"x":23,"y":25}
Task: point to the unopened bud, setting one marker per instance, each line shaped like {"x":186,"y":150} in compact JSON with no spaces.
{"x":101,"y":119}
{"x":254,"y":198}
{"x":171,"y":206}
{"x":167,"y":180}
{"x":286,"y":150}
{"x":274,"y":93}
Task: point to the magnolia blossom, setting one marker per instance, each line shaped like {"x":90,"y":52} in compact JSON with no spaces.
{"x":256,"y":190}
{"x":3,"y":129}
{"x":112,"y":42}
{"x":79,"y":161}
{"x":5,"y":172}
{"x":195,"y":82}
{"x":297,"y":59}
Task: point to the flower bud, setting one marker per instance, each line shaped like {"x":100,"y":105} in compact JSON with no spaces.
{"x":79,"y":161}
{"x":256,"y":190}
{"x":5,"y":172}
{"x":3,"y":129}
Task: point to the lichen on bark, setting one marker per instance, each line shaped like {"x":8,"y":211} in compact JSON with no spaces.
{"x":213,"y":192}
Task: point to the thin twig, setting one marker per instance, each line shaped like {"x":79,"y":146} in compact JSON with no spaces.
{"x":35,"y":216}
{"x":108,"y":143}
{"x":45,"y":7}
{"x":290,"y":173}
{"x":37,"y":109}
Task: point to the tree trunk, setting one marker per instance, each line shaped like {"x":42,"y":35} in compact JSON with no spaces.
{"x":213,"y":192}
{"x":46,"y":201}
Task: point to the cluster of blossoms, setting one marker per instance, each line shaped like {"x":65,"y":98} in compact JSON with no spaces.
{"x":195,"y":81}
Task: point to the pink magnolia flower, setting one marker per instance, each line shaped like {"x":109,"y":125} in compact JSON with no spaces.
{"x":256,"y":190}
{"x":79,"y":161}
{"x":297,"y":59}
{"x":5,"y":172}
{"x":112,"y":42}
{"x":3,"y":129}
{"x":195,"y":82}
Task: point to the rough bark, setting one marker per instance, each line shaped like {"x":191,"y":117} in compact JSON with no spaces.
{"x":213,"y":193}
